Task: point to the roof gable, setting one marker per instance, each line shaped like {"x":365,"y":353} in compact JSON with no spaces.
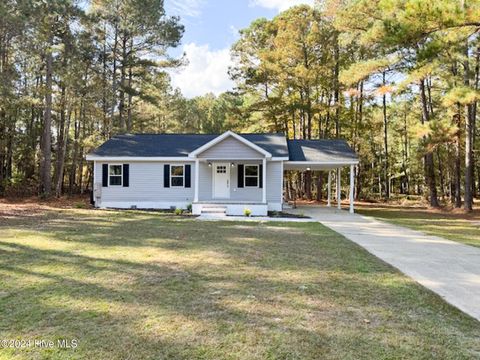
{"x":223,"y":137}
{"x":230,"y":148}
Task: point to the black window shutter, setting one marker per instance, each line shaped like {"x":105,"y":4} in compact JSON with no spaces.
{"x":188,"y":176}
{"x":104,"y":175}
{"x":260,"y":176}
{"x":126,"y":175}
{"x":240,"y":176}
{"x":166,"y":175}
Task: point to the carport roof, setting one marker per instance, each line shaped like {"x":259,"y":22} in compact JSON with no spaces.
{"x":321,"y":151}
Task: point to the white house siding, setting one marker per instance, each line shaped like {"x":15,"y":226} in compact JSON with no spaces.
{"x":275,"y":185}
{"x":245,"y":193}
{"x":205,"y":182}
{"x":230,"y":148}
{"x":146,"y":188}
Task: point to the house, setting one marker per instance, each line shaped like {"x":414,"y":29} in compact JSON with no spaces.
{"x":227,"y":172}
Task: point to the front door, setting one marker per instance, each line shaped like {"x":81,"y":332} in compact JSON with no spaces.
{"x":221,"y":181}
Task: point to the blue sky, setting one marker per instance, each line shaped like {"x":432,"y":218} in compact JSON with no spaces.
{"x":211,"y":27}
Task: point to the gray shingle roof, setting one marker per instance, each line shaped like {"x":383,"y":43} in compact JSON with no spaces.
{"x":178,"y":145}
{"x":166,"y":145}
{"x":320,"y":150}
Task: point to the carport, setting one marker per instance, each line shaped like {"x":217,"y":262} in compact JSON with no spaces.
{"x":324,"y":155}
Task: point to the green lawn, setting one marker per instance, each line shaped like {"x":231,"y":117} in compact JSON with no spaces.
{"x":454,"y":226}
{"x":138,"y":285}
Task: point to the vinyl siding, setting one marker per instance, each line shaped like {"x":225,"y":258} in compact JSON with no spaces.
{"x":245,"y":193}
{"x":205,"y":182}
{"x":230,"y":148}
{"x":146,"y":185}
{"x":274,"y":181}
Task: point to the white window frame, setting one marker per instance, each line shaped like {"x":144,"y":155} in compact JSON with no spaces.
{"x":177,"y":176}
{"x":121,"y":175}
{"x":251,"y":176}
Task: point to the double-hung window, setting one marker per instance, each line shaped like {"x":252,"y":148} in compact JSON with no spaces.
{"x":251,"y":175}
{"x":115,"y":174}
{"x":177,"y":176}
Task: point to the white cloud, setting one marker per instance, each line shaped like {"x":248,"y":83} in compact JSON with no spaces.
{"x":207,"y":71}
{"x":279,"y":5}
{"x":191,"y":8}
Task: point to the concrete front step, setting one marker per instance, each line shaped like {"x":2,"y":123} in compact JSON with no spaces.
{"x":214,"y":210}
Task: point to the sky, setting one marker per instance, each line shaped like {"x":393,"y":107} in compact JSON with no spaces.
{"x":211,"y":28}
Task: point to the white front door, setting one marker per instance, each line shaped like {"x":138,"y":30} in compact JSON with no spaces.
{"x":221,"y":180}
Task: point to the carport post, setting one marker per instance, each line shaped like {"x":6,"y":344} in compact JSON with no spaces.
{"x":339,"y":190}
{"x":329,"y":188}
{"x":352,"y":184}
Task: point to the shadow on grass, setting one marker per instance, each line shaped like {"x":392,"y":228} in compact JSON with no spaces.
{"x":161,"y":287}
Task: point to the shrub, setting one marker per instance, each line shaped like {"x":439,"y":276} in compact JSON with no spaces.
{"x":178,"y":211}
{"x":189,"y":208}
{"x":247,"y":212}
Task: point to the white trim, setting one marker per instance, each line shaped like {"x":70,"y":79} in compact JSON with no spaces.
{"x":197,"y":179}
{"x":121,"y":175}
{"x":251,"y":176}
{"x":339,"y":189}
{"x":352,"y":182}
{"x":226,"y":134}
{"x":177,"y":176}
{"x":165,"y":158}
{"x":281,"y":184}
{"x":264,"y":180}
{"x":136,"y":158}
{"x":329,"y":189}
{"x":143,"y":204}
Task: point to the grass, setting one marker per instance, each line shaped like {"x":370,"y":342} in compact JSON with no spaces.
{"x":151,"y":286}
{"x":456,"y":226}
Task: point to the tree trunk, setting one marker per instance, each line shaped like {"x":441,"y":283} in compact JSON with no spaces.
{"x":468,"y":200}
{"x":337,"y":85}
{"x":130,"y":80}
{"x":319,"y":186}
{"x":469,"y":121}
{"x":428,"y":158}
{"x":458,"y":170}
{"x":123,"y":74}
{"x":308,"y":185}
{"x":60,"y":168}
{"x":73,"y":170}
{"x":46,"y":143}
{"x":114,"y":78}
{"x":385,"y":141}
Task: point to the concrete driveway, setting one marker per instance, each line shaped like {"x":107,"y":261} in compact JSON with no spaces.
{"x":450,"y":269}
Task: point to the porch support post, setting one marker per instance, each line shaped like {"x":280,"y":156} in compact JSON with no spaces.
{"x":339,"y":190}
{"x":329,"y":189}
{"x":264,"y":181}
{"x":352,"y":182}
{"x":197,"y":171}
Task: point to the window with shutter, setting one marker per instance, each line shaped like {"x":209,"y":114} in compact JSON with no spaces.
{"x":251,"y":175}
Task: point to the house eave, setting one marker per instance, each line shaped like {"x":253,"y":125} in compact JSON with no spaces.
{"x":92,"y":157}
